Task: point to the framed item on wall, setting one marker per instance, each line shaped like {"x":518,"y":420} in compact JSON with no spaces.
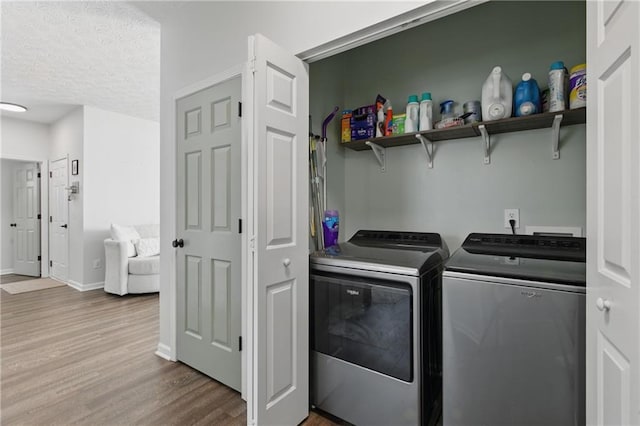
{"x":74,"y":167}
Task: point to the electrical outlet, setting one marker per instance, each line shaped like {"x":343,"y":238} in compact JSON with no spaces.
{"x":96,"y":264}
{"x":511,"y":214}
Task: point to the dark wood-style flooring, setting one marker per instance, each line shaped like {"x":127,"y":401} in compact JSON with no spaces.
{"x":87,"y":358}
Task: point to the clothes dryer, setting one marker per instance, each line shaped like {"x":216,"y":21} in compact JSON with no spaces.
{"x":376,"y":328}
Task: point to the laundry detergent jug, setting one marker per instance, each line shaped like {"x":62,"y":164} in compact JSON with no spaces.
{"x":497,"y":96}
{"x":413,"y":111}
{"x":526,"y":101}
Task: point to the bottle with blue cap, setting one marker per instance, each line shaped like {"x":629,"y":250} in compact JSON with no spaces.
{"x":411,"y":121}
{"x":426,"y":112}
{"x":526,"y":100}
{"x":557,"y":87}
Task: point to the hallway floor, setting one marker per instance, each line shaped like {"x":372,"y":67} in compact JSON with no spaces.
{"x":87,"y":358}
{"x":14,"y":278}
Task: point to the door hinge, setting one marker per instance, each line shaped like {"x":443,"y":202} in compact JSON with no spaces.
{"x":252,"y":65}
{"x":239,"y":343}
{"x":39,"y":216}
{"x":239,"y":226}
{"x":50,"y":218}
{"x":39,"y":258}
{"x":50,"y":174}
{"x":38,"y":175}
{"x":239,"y":109}
{"x":51,"y":263}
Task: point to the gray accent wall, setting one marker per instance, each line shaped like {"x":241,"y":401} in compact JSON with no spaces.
{"x":451,"y":58}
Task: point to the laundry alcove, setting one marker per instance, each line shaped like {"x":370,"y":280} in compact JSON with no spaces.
{"x":451,"y":57}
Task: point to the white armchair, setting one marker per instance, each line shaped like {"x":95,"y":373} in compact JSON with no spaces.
{"x":125,"y":270}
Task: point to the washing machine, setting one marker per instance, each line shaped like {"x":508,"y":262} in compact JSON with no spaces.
{"x":376,"y":328}
{"x":514,"y":331}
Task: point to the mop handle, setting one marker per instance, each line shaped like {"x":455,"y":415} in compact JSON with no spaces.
{"x":326,"y":122}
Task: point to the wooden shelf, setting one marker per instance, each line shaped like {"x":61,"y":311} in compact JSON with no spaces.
{"x":505,"y":125}
{"x":537,"y":121}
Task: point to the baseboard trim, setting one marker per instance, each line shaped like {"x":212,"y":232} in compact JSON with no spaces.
{"x":164,"y":351}
{"x":85,"y":287}
{"x":6,"y":271}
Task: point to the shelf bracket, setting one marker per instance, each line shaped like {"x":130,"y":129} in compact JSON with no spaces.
{"x":380,"y":152}
{"x":428,"y":147}
{"x":555,"y":136}
{"x":486,"y":143}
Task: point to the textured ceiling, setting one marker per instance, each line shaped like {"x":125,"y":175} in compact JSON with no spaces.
{"x":57,"y":55}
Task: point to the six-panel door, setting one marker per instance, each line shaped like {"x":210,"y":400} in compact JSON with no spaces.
{"x":208,"y":212}
{"x":613,"y":213}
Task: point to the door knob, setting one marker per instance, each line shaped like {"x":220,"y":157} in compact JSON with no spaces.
{"x":603,"y":304}
{"x":286,"y":262}
{"x":177,"y":243}
{"x":63,"y":226}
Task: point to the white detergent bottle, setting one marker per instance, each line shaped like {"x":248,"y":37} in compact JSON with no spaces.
{"x":497,"y":96}
{"x":426,"y":112}
{"x":411,"y":121}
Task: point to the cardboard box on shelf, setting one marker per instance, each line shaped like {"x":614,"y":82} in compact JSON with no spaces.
{"x":346,"y":126}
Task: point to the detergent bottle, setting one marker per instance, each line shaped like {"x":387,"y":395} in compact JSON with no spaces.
{"x":497,"y":96}
{"x":411,"y":120}
{"x":527,"y":98}
{"x":426,"y":112}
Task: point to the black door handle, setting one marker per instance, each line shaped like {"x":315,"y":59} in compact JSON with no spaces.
{"x":13,"y":225}
{"x":177,"y":243}
{"x":63,"y":226}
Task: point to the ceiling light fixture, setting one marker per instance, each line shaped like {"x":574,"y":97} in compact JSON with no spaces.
{"x":8,"y":106}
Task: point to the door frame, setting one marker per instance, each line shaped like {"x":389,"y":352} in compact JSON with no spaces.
{"x":44,"y":208}
{"x":171,"y":353}
{"x":65,"y":157}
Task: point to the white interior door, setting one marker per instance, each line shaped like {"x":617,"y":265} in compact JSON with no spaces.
{"x":26,"y":208}
{"x":58,"y":220}
{"x":208,"y":214}
{"x":279,"y":294}
{"x":613,"y":213}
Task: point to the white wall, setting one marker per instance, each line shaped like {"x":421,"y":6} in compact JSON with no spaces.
{"x":67,"y":138}
{"x":121,"y":179}
{"x":460,"y":194}
{"x":29,"y":141}
{"x":118,"y":171}
{"x":23,"y":140}
{"x":6,"y":232}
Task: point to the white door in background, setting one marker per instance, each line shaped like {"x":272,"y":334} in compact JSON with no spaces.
{"x":279,"y":205}
{"x":26,"y":208}
{"x":208,"y":214}
{"x":613,"y":213}
{"x":58,"y":218}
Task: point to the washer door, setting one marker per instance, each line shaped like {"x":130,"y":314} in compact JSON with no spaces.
{"x":367,"y":322}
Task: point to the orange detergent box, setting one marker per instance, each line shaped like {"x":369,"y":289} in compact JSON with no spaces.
{"x":346,"y":126}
